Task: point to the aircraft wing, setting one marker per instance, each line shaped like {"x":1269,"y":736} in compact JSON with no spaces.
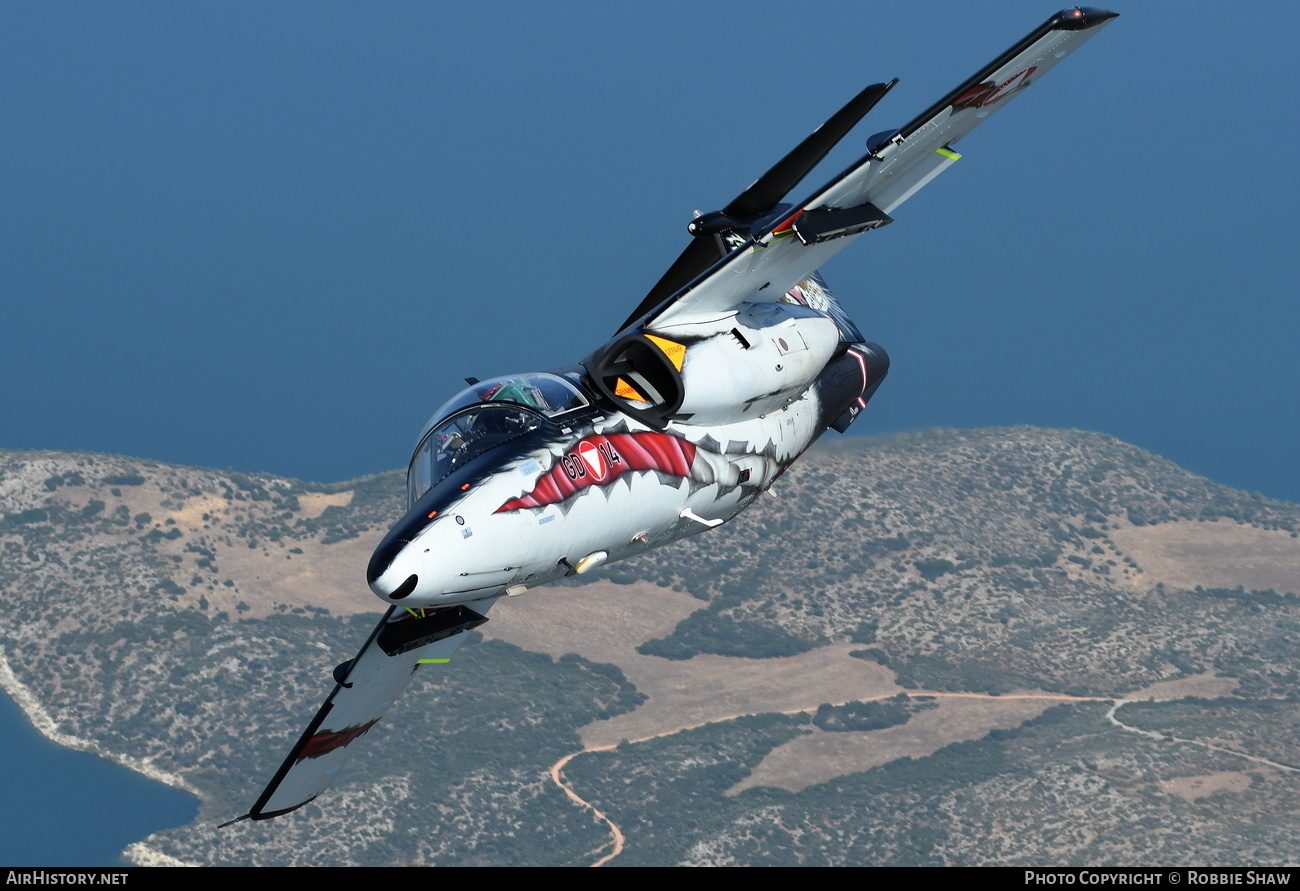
{"x":365,"y":687}
{"x":791,"y":244}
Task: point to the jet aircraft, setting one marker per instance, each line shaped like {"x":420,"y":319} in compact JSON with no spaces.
{"x":737,"y":360}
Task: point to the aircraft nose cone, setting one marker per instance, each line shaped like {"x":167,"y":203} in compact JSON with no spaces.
{"x":395,"y":585}
{"x":399,"y":567}
{"x":381,"y":559}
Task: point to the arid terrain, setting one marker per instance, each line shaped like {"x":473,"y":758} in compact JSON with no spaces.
{"x":965,"y":647}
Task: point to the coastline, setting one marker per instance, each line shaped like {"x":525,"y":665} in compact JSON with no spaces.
{"x":43,"y":722}
{"x":141,"y":854}
{"x":137,"y":852}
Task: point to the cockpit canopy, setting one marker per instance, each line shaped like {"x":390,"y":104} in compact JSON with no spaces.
{"x":486,"y":415}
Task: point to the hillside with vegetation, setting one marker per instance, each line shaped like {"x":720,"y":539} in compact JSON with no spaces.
{"x":1002,"y":646}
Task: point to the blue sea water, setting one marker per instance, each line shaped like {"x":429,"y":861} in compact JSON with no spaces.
{"x":66,"y":808}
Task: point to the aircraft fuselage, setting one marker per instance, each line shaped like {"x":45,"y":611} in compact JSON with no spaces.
{"x":540,"y":476}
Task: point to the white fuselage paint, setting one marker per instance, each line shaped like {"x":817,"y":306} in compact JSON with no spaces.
{"x":473,"y":550}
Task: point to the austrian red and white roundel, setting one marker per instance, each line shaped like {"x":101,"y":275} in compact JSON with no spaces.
{"x":594,"y":460}
{"x":599,"y":460}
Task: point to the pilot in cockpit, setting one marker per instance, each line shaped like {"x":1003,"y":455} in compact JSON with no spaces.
{"x":514,"y":390}
{"x":488,"y":414}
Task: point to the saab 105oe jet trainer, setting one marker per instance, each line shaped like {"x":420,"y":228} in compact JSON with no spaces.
{"x":737,"y":360}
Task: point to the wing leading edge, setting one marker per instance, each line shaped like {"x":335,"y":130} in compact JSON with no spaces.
{"x":365,"y":687}
{"x":897,"y":164}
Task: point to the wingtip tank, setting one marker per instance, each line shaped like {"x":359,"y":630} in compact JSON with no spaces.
{"x":1077,"y":18}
